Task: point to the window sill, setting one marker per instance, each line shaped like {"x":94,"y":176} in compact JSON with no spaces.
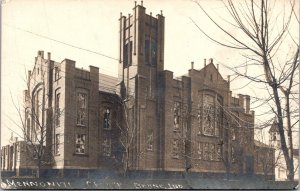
{"x":80,"y":154}
{"x":106,"y":129}
{"x":79,"y":125}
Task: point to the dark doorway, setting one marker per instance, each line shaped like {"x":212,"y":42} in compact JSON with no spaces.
{"x":249,"y":164}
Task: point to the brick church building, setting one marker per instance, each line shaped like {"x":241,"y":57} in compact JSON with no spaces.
{"x":144,"y":120}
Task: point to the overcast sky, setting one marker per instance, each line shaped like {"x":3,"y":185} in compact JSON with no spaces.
{"x":32,"y":25}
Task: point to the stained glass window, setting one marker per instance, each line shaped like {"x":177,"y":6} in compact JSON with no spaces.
{"x":208,"y":115}
{"x":106,"y":119}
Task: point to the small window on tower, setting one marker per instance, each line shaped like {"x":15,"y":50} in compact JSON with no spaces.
{"x":147,"y":51}
{"x":56,"y":73}
{"x":127,"y":57}
{"x":153,"y":53}
{"x":57,"y":110}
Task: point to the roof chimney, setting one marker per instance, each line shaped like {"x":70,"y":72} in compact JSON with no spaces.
{"x":142,"y":3}
{"x":41,"y":53}
{"x":192,"y":65}
{"x":211,"y":61}
{"x":49,"y":56}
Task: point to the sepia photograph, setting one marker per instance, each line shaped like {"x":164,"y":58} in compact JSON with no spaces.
{"x":171,"y":94}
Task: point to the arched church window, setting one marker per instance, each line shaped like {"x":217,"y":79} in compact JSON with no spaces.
{"x":176,"y":116}
{"x":107,"y":119}
{"x":150,"y":141}
{"x":81,"y":109}
{"x":208,"y":115}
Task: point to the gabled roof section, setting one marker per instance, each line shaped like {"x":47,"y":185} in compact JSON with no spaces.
{"x":274,"y":127}
{"x":211,"y":65}
{"x":261,"y":144}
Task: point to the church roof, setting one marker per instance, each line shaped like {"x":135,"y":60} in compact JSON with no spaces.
{"x":107,"y":83}
{"x":261,"y":144}
{"x":296,"y":152}
{"x":274,"y":127}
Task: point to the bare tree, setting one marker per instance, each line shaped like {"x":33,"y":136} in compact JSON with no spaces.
{"x":262,"y":33}
{"x":127,"y":133}
{"x":37,"y":119}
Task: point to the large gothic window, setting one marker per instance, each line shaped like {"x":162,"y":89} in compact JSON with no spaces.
{"x":81,"y":109}
{"x":208,"y":115}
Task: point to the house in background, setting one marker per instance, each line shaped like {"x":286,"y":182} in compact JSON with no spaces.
{"x":280,"y":164}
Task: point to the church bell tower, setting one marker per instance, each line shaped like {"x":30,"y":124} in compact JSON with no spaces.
{"x":141,"y":59}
